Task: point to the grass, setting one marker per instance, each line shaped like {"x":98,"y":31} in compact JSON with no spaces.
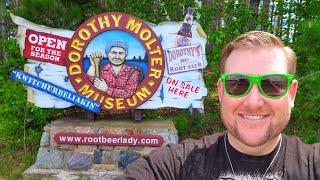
{"x":14,"y":162}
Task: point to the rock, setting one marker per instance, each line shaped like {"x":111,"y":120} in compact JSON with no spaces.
{"x":77,"y":161}
{"x":109,"y":157}
{"x":174,"y":138}
{"x":49,"y":159}
{"x":45,"y":139}
{"x":126,"y":158}
{"x":97,"y":157}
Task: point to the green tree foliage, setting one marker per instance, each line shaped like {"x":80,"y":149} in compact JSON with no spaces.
{"x":305,"y":121}
{"x":306,"y":116}
{"x":21,"y":123}
{"x":52,"y":13}
{"x":16,"y":115}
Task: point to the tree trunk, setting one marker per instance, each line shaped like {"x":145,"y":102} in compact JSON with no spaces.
{"x":254,"y":5}
{"x":216,"y":19}
{"x":296,"y":21}
{"x":247,"y":3}
{"x":3,"y":35}
{"x":280,"y":12}
{"x":272,"y":16}
{"x":280,"y":22}
{"x":265,"y":15}
{"x":207,"y":2}
{"x":319,"y":127}
{"x":289,"y":22}
{"x":16,"y":3}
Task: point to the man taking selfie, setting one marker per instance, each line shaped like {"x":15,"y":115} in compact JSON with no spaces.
{"x":256,"y":90}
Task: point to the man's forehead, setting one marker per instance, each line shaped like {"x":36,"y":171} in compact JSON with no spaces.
{"x":257,"y":59}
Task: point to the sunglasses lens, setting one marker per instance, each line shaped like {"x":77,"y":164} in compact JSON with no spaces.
{"x":274,"y":85}
{"x":237,"y":85}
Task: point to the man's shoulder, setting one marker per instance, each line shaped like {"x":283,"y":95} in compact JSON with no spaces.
{"x":193,"y":147}
{"x":296,"y":147}
{"x":301,"y":160}
{"x":296,"y":141}
{"x":204,"y":141}
{"x":213,"y":138}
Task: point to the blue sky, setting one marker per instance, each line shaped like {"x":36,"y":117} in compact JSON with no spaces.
{"x":99,"y":43}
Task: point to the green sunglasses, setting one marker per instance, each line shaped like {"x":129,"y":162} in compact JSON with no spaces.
{"x":270,"y":85}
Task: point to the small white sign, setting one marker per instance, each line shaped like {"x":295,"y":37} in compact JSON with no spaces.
{"x":185,"y":58}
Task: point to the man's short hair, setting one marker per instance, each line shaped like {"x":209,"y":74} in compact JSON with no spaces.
{"x":116,"y":43}
{"x":258,"y":39}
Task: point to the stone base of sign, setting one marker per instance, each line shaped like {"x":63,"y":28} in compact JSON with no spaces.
{"x":35,"y":173}
{"x":72,"y":161}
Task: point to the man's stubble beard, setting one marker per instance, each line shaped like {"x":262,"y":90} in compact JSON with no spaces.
{"x":272,"y":132}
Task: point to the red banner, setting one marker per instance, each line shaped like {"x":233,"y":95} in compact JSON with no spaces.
{"x":45,"y":47}
{"x":108,"y":139}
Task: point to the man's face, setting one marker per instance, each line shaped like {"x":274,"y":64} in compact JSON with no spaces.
{"x":254,"y":120}
{"x":117,"y":56}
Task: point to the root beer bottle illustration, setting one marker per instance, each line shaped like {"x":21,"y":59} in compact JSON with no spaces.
{"x":184,"y":35}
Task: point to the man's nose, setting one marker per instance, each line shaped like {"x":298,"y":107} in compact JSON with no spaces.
{"x":254,"y":99}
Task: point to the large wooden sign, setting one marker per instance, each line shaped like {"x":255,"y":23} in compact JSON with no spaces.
{"x":116,"y":60}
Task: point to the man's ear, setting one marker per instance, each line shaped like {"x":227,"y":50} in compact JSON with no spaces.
{"x":220,"y":89}
{"x":293,"y":88}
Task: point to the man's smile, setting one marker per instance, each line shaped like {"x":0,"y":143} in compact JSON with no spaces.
{"x":253,"y":117}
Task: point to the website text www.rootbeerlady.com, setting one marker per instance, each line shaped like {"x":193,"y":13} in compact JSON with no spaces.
{"x":108,"y":139}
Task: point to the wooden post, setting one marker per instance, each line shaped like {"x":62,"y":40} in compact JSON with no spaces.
{"x":137,"y":115}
